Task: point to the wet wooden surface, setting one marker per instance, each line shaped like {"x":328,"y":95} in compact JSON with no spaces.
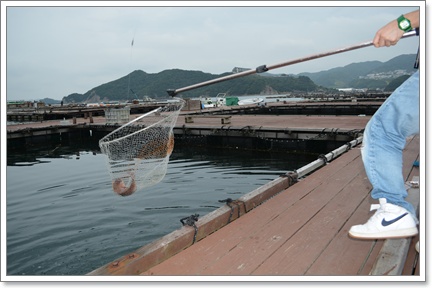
{"x":301,"y":231}
{"x":284,"y":121}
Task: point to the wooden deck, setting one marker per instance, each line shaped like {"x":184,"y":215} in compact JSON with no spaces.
{"x":286,"y":121}
{"x":273,"y":121}
{"x":299,"y":232}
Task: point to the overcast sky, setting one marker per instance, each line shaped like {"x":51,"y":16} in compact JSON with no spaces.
{"x":56,"y":51}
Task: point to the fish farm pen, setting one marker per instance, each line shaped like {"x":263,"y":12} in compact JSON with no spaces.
{"x":331,"y":130}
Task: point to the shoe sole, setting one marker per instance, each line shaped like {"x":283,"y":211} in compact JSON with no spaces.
{"x":404,"y":233}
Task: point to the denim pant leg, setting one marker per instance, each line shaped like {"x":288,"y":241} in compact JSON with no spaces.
{"x":384,"y":140}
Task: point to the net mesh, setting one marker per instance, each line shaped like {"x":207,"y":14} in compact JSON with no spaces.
{"x":138,"y":152}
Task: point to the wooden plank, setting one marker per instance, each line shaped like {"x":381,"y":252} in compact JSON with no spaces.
{"x":376,"y":246}
{"x":410,"y":154}
{"x":391,"y":259}
{"x":307,"y":244}
{"x":225,"y":119}
{"x":343,"y":251}
{"x":251,"y":256}
{"x":263,"y":193}
{"x":210,"y":116}
{"x":344,"y":255}
{"x":220,"y":246}
{"x":413,"y":261}
{"x":334,"y":123}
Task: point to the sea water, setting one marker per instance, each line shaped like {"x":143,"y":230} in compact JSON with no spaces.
{"x":64,"y":219}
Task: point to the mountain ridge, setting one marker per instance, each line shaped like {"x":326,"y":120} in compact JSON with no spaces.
{"x":347,"y":76}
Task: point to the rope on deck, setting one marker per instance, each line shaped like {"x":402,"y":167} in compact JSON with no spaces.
{"x":190,"y":221}
{"x":228,"y":201}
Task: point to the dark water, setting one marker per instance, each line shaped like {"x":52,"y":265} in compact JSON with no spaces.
{"x":64,"y":219}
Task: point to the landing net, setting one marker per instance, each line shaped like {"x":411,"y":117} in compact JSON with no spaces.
{"x":138,"y":152}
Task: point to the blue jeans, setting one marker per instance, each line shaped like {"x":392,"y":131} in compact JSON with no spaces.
{"x":384,"y":140}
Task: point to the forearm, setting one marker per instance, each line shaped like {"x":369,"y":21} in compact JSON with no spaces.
{"x":414,"y":18}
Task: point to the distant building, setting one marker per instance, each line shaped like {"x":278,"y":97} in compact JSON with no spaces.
{"x":387,"y":75}
{"x":20,"y":104}
{"x":352,"y":90}
{"x":239,"y":69}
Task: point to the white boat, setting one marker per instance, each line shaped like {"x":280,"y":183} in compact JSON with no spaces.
{"x":250,"y":101}
{"x":208,"y":102}
{"x":220,"y":99}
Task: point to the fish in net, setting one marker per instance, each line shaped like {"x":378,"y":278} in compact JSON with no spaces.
{"x":138,"y":152}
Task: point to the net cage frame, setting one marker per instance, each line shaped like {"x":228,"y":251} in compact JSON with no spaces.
{"x":138,"y":153}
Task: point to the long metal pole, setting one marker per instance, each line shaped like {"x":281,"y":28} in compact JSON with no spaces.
{"x":264,"y":68}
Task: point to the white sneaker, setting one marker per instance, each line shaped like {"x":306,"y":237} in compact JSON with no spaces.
{"x":417,"y":247}
{"x":389,"y":221}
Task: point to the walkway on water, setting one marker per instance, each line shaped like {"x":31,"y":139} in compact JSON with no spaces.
{"x":268,"y":121}
{"x":240,"y":118}
{"x":303,"y":231}
{"x":299,"y":229}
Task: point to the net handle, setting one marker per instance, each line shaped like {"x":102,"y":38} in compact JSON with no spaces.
{"x":264,"y":68}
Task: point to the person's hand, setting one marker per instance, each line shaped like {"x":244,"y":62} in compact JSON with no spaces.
{"x":388,"y":35}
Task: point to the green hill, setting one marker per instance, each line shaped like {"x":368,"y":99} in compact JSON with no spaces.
{"x":396,"y":83}
{"x":139,"y":84}
{"x":402,"y":62}
{"x":340,"y":77}
{"x":371,"y":74}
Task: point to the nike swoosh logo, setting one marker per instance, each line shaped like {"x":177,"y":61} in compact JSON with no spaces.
{"x":387,"y":223}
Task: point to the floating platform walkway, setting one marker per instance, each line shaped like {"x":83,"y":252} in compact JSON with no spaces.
{"x":289,"y":227}
{"x":355,"y":106}
{"x":295,"y":225}
{"x":270,"y":126}
{"x":262,"y":132}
